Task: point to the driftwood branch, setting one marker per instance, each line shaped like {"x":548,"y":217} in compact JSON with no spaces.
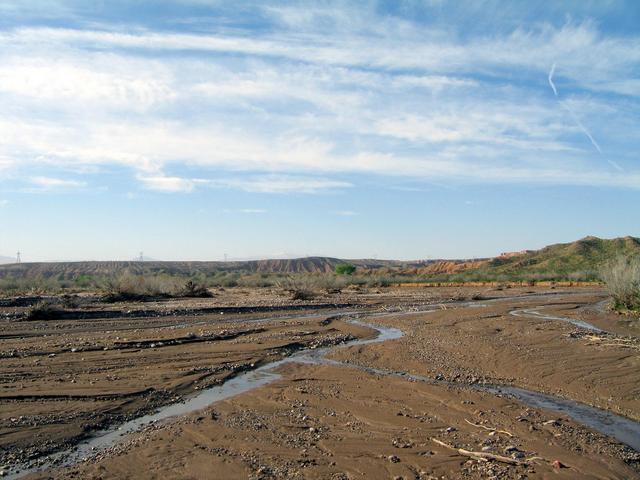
{"x":482,"y":456}
{"x":489,"y":428}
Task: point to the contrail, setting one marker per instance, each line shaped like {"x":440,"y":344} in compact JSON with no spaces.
{"x":582,"y":127}
{"x":553,"y":87}
{"x":575,"y":117}
{"x":615,"y":165}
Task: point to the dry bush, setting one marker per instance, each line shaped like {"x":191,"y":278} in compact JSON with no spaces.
{"x":300,"y":287}
{"x":138,"y":287}
{"x":43,"y":310}
{"x":331,"y":283}
{"x":302,"y":294}
{"x":193,"y":288}
{"x":622,"y":277}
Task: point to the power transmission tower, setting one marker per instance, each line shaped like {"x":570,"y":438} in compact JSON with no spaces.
{"x":141,"y":257}
{"x":225,"y":257}
{"x":18,"y":260}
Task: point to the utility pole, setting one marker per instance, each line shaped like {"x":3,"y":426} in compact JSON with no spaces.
{"x":225,"y":257}
{"x":18,"y":260}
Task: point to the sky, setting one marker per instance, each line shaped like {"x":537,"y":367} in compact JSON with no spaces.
{"x":199,"y":129}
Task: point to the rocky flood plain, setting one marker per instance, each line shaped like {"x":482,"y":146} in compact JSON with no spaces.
{"x":412,"y":406}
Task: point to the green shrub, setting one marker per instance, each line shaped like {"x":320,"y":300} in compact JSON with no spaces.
{"x":345,"y":269}
{"x":84,"y":281}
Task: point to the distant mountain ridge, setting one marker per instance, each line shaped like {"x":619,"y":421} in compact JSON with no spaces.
{"x":69,"y":270}
{"x":585,"y":255}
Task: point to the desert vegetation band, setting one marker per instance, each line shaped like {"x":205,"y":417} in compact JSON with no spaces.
{"x":615,"y":262}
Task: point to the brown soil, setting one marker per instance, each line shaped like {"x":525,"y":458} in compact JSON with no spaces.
{"x":61,"y":379}
{"x":58,"y":387}
{"x":487,"y":344}
{"x":328,"y":422}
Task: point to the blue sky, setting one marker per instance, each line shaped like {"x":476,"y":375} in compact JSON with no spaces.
{"x":191,"y":129}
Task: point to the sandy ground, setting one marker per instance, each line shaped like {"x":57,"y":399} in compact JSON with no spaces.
{"x":328,"y":422}
{"x":485,"y":343}
{"x":59,"y":387}
{"x":62,"y":379}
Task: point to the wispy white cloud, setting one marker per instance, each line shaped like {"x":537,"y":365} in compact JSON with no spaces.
{"x":271,"y":184}
{"x":579,"y":47}
{"x":111,"y":81}
{"x":50,"y":183}
{"x":524,"y":126}
{"x":160,"y":183}
{"x":292,"y":110}
{"x":283,"y":184}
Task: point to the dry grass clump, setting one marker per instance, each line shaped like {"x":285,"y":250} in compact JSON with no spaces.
{"x":622,"y":277}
